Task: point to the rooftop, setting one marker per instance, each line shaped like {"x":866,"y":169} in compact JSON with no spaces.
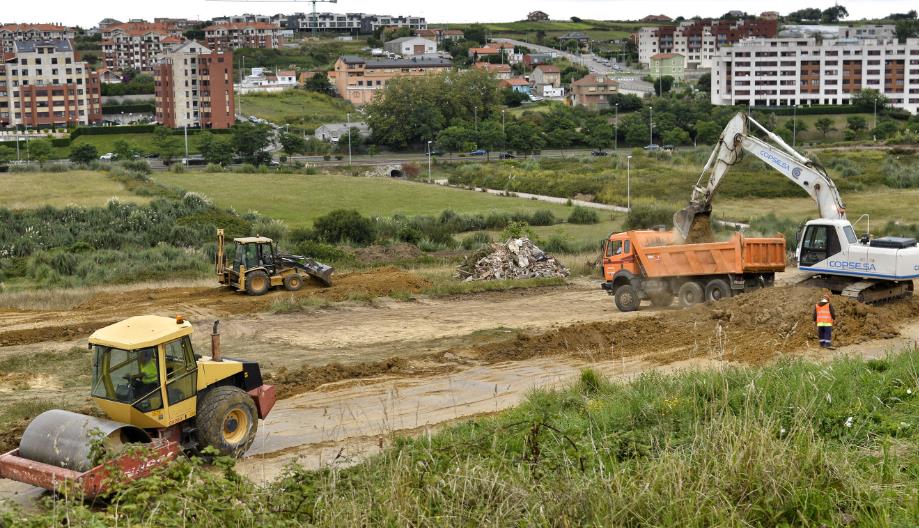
{"x":33,"y":27}
{"x":548,"y":68}
{"x":422,"y":62}
{"x":29,"y":46}
{"x":242,"y":25}
{"x":661,"y":56}
{"x":404,"y":39}
{"x":140,"y":332}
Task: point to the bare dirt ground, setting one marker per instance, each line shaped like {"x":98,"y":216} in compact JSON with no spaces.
{"x":352,"y":376}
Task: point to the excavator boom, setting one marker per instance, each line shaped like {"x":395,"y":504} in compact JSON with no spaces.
{"x":692,"y":221}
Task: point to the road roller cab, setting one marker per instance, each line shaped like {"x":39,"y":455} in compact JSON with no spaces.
{"x":153,"y":389}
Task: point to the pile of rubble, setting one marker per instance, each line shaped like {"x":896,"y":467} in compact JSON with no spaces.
{"x":518,"y":258}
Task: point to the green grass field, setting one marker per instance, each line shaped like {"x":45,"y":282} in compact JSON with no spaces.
{"x":297,"y":107}
{"x":812,"y":135}
{"x":141,"y":142}
{"x":25,"y":190}
{"x":299,"y":199}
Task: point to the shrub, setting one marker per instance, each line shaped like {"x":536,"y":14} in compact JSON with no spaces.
{"x":410,"y":170}
{"x":648,"y":216}
{"x":517,"y":230}
{"x":476,"y":240}
{"x":324,"y":253}
{"x":139,"y":165}
{"x":343,"y":225}
{"x":543,"y":217}
{"x":213,"y":167}
{"x":583,"y":215}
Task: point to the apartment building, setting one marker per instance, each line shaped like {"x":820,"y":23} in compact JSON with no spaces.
{"x":359,"y":80}
{"x":803,"y":71}
{"x":698,"y":40}
{"x":43,"y":84}
{"x":234,"y":35}
{"x":370,"y":23}
{"x":194,"y":87}
{"x":247,"y":18}
{"x":667,"y":64}
{"x":350,"y":22}
{"x":136,"y":45}
{"x":12,"y":33}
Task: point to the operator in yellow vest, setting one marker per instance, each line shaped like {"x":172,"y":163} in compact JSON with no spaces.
{"x":149,"y":378}
{"x":825,"y":316}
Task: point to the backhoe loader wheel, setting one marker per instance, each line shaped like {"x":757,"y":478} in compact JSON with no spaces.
{"x":257,"y":283}
{"x":691,"y":293}
{"x":293,"y":282}
{"x":227,"y":420}
{"x":627,"y":299}
{"x":717,"y":289}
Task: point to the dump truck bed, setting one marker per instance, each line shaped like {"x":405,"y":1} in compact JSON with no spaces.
{"x":661,"y":258}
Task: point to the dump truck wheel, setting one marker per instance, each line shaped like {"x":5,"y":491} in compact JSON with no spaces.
{"x":257,"y":283}
{"x":717,"y":289}
{"x":627,"y":299}
{"x":661,"y":300}
{"x":227,"y":420}
{"x":691,"y":293}
{"x":293,"y":282}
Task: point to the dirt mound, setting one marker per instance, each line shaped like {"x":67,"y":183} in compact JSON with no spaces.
{"x":377,"y":283}
{"x":292,"y":382}
{"x":50,"y":333}
{"x":750,"y":328}
{"x":391,"y":253}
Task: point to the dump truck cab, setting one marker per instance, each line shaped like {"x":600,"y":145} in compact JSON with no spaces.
{"x":257,"y":266}
{"x":619,"y":256}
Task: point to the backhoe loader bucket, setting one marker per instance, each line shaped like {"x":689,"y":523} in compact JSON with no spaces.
{"x":693,"y":223}
{"x":320,"y":271}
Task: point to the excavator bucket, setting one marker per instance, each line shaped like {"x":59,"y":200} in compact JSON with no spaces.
{"x":693,"y":223}
{"x":317,"y":270}
{"x":58,"y":449}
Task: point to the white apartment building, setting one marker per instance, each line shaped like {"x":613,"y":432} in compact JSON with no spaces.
{"x":800,"y":71}
{"x":699,"y":40}
{"x":12,"y":33}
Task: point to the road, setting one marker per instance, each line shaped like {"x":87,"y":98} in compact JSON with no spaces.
{"x":589,"y":60}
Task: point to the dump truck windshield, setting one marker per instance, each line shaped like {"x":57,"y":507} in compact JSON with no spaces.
{"x":127,"y":376}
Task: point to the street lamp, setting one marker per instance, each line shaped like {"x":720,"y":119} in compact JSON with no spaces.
{"x":429,"y":161}
{"x":186,"y":144}
{"x":651,"y":126}
{"x":616,"y":131}
{"x":503,"y":135}
{"x":794,"y":125}
{"x":628,"y":183}
{"x":475,"y":113}
{"x":349,"y":139}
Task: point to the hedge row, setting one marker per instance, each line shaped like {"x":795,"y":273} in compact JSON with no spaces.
{"x":828,"y":110}
{"x":135,"y":129}
{"x":137,"y":108}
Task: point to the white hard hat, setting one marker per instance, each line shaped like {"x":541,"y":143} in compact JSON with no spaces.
{"x":824,"y":300}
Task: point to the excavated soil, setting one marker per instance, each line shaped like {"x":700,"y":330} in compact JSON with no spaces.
{"x":701,"y":230}
{"x":391,"y":253}
{"x":26,"y":327}
{"x":752,"y":328}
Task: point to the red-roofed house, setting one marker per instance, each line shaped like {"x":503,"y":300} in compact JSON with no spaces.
{"x":517,"y":84}
{"x":500,"y":71}
{"x":11,"y":33}
{"x":231,"y":36}
{"x":546,"y":75}
{"x":592,"y":91}
{"x":136,"y":45}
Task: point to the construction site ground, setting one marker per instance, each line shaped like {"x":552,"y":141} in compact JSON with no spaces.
{"x":352,"y":375}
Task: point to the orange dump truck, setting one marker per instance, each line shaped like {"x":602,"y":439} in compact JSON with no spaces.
{"x":641,"y":265}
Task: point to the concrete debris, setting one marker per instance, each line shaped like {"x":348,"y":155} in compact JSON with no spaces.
{"x":518,"y":258}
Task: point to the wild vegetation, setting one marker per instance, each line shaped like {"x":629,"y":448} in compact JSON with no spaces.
{"x":798,"y":442}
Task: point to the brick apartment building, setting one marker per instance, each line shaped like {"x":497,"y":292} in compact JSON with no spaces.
{"x":234,"y":35}
{"x":699,"y":40}
{"x":358,"y":80}
{"x":136,"y":45}
{"x":194,"y":87}
{"x":12,"y":33}
{"x":43,"y":84}
{"x":801,"y":71}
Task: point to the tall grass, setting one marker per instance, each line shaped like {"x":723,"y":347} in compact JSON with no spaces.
{"x":797,"y":443}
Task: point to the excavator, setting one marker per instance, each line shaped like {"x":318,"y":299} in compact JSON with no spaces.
{"x":160,"y":400}
{"x":869,"y":270}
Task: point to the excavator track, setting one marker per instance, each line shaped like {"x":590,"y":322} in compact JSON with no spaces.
{"x":865,"y":291}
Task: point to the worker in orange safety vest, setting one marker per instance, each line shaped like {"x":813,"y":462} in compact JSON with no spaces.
{"x":825,"y":316}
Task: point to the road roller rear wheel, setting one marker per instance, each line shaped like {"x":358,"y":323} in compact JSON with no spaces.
{"x":227,"y":420}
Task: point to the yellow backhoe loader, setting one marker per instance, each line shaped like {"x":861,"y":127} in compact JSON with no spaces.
{"x":257,"y":266}
{"x":156,"y":392}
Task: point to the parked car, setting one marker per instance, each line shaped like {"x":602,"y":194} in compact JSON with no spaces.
{"x":653,"y":147}
{"x":668,"y":147}
{"x":108,"y":156}
{"x":506,"y":155}
{"x":478,"y":152}
{"x":598,"y":153}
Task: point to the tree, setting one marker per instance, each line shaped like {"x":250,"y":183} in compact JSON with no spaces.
{"x":293,"y":144}
{"x":250,"y":142}
{"x":707,"y":132}
{"x":214,"y":149}
{"x":489,"y":135}
{"x":165,"y":144}
{"x":524,"y":138}
{"x":576,"y":20}
{"x":795,"y":124}
{"x":856,"y":124}
{"x":704,"y":84}
{"x":123,"y":150}
{"x":343,"y":225}
{"x":810,"y":14}
{"x":600,"y":136}
{"x":833,"y":14}
{"x":318,"y":83}
{"x":662,"y":84}
{"x":824,"y":125}
{"x":675,"y":136}
{"x":885,"y":128}
{"x":907,"y":29}
{"x":513,"y":98}
{"x":867,"y":99}
{"x":7,"y":153}
{"x":83,"y":153}
{"x":626,"y":102}
{"x":455,"y":139}
{"x":40,"y":150}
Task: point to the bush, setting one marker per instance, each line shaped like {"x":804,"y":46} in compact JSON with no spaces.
{"x":410,"y":170}
{"x":139,"y":165}
{"x":543,"y":217}
{"x":343,"y":225}
{"x":325,"y":253}
{"x":648,"y":216}
{"x":476,"y":240}
{"x":583,"y":215}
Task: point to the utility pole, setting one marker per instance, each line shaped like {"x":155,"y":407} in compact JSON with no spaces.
{"x":349,"y":139}
{"x":628,"y":183}
{"x":794,"y":125}
{"x":429,"y":162}
{"x":186,"y":144}
{"x":503,"y":134}
{"x":18,"y":158}
{"x":616,"y":131}
{"x":651,"y":126}
{"x":475,"y":113}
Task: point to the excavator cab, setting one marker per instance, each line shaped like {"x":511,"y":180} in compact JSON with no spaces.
{"x":819,"y":243}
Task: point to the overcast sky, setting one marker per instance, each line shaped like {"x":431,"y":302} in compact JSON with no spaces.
{"x":88,"y":13}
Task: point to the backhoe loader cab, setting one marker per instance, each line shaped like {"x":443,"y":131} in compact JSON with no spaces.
{"x":257,"y":266}
{"x":154,"y":390}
